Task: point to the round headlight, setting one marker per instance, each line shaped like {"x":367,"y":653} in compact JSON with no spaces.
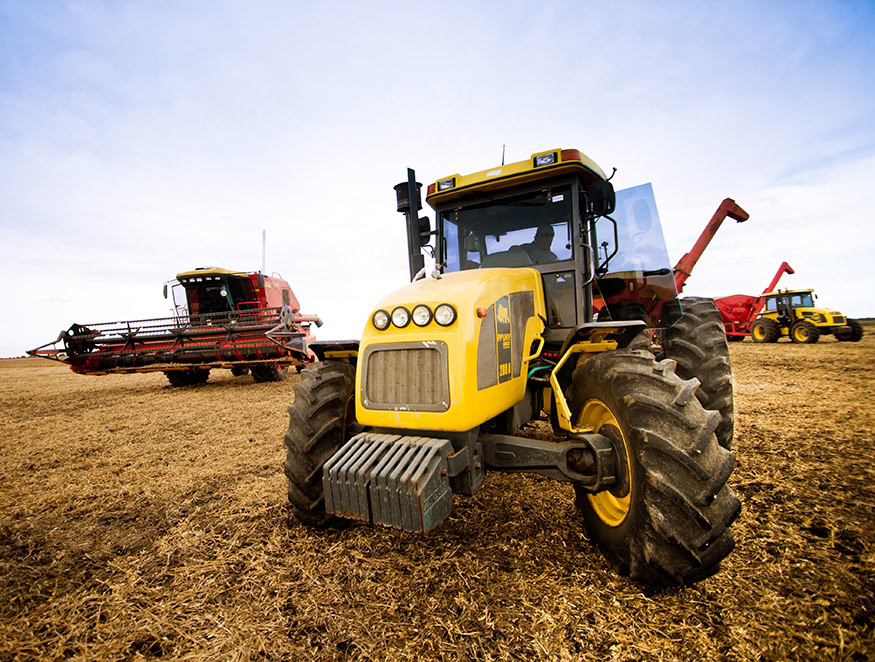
{"x":400,"y":317}
{"x":381,"y":320}
{"x":445,"y":314}
{"x":421,"y":315}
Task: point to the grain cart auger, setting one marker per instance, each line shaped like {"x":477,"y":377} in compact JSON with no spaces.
{"x":501,"y":332}
{"x":247,"y":322}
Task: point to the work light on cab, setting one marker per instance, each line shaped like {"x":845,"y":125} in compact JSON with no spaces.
{"x":545,"y":159}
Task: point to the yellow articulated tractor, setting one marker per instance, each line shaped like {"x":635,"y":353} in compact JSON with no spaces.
{"x":793,"y":314}
{"x":499,"y":333}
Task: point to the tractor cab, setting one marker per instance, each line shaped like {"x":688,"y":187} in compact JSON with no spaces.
{"x":557,"y":213}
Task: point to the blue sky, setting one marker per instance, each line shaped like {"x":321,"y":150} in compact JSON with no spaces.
{"x":141,"y":139}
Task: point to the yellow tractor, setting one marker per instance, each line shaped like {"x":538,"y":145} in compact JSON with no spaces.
{"x":793,"y":313}
{"x":499,"y":333}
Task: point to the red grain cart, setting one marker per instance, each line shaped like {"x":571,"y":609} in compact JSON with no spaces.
{"x":740,"y":310}
{"x":246,"y":322}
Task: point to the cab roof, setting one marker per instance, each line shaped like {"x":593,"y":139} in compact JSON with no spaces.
{"x":541,"y":165}
{"x":211,"y":271}
{"x":768,"y":294}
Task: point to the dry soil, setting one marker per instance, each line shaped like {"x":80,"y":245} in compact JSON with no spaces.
{"x":142,"y":521}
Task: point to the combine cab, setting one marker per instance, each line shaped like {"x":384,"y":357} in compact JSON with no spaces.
{"x":222,"y":319}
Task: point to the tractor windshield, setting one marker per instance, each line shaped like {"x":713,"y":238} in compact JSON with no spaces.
{"x":516,"y":232}
{"x":634,"y":273}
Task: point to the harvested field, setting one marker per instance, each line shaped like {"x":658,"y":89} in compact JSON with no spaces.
{"x":140,"y":521}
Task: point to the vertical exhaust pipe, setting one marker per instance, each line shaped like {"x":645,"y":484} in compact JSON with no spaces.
{"x":409,"y":204}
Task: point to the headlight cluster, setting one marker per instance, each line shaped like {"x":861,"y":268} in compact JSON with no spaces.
{"x":422,"y":315}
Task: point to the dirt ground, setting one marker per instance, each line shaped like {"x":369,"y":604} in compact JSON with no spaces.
{"x":140,"y":521}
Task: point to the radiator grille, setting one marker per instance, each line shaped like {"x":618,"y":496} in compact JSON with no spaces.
{"x":838,"y":319}
{"x":406,"y":376}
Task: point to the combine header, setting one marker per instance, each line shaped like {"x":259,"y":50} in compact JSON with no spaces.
{"x":222,"y":319}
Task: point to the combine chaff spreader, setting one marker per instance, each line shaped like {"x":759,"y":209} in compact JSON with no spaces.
{"x":222,"y":319}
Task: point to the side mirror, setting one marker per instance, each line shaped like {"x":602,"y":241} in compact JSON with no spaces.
{"x":602,"y":197}
{"x":424,"y":230}
{"x":165,"y":290}
{"x":260,"y":281}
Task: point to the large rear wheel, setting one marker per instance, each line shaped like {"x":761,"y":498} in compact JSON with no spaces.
{"x":321,"y":419}
{"x":666,"y":520}
{"x":697,"y":342}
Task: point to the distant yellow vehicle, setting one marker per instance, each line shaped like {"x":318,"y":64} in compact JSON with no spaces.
{"x":793,"y":313}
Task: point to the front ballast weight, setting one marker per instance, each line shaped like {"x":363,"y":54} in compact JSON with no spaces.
{"x":406,"y":482}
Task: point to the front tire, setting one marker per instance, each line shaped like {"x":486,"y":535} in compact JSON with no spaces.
{"x":321,"y":419}
{"x":804,"y":332}
{"x":697,"y":342}
{"x":268,"y":373}
{"x":765,"y":330}
{"x":669,"y":523}
{"x":187,"y":377}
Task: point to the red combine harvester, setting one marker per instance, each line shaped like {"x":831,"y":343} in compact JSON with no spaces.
{"x":740,"y":310}
{"x":222,"y":319}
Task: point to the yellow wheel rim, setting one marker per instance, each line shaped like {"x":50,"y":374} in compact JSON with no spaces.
{"x":759,"y":332}
{"x":801,"y":333}
{"x":610,"y":509}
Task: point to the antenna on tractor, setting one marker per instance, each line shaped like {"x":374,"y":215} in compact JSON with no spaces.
{"x":263,"y":249}
{"x":502,"y":155}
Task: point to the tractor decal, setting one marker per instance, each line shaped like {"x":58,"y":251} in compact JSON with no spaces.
{"x":503,"y":340}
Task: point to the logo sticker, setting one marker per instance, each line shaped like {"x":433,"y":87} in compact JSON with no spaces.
{"x":503,"y":339}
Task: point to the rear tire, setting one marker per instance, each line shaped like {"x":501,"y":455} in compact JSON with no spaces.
{"x":321,"y":419}
{"x":697,"y":342}
{"x":854,"y":335}
{"x":672,"y":526}
{"x":804,"y":332}
{"x":765,"y":330}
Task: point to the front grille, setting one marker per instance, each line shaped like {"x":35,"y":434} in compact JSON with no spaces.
{"x":838,"y":319}
{"x":406,"y":376}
